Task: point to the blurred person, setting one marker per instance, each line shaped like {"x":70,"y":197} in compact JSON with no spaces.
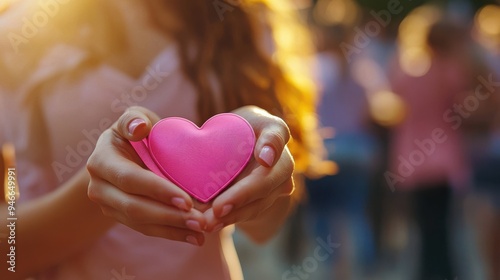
{"x":427,"y":156}
{"x":337,"y":203}
{"x":484,"y":144}
{"x":64,"y":83}
{"x":484,"y":150}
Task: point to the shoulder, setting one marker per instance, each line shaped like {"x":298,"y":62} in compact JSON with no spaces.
{"x":25,"y":23}
{"x":30,"y":30}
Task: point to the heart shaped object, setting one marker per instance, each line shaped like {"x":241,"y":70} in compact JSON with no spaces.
{"x":202,"y":161}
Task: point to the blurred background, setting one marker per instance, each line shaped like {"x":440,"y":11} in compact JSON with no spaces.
{"x":410,"y":114}
{"x":409,"y":110}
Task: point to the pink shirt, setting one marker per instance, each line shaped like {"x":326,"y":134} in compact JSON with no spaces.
{"x":429,"y":99}
{"x":79,"y":101}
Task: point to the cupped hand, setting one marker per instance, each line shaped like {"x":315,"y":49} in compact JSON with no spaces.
{"x":136,"y":197}
{"x":267,"y":178}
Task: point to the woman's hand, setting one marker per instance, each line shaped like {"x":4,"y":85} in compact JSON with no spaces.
{"x":135,"y":196}
{"x":266,"y":180}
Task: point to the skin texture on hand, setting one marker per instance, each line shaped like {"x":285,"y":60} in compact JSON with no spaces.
{"x":52,"y":228}
{"x":135,"y":196}
{"x":261,"y":195}
{"x":129,"y":193}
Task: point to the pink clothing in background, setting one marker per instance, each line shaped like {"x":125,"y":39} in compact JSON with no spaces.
{"x":429,"y":99}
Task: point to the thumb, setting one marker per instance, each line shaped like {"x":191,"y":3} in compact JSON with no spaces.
{"x":272,"y":139}
{"x":272,"y":134}
{"x":135,"y":124}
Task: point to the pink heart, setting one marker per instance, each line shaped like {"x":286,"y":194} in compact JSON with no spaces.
{"x":202,"y":161}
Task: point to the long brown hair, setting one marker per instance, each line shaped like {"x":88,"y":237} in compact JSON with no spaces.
{"x":228,"y":45}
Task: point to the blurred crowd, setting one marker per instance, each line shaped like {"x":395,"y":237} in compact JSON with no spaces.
{"x":410,"y":114}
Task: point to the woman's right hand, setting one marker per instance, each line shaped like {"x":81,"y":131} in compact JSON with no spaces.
{"x":136,"y":197}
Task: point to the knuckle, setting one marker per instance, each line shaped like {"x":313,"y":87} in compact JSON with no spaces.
{"x":288,"y":187}
{"x":93,"y":193}
{"x":273,"y":183}
{"x":95,"y":162}
{"x":287,"y":163}
{"x":92,"y":165}
{"x":122,"y":177}
{"x":157,"y":193}
{"x":106,"y":212}
{"x":283,"y":129}
{"x":289,"y":167}
{"x":277,"y":139}
{"x":184,"y":216}
{"x":128,"y":209}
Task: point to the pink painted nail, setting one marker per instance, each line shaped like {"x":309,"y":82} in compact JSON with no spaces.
{"x":193,"y":225}
{"x":192,"y":240}
{"x":226,"y":209}
{"x":267,"y":154}
{"x":180,"y":203}
{"x":132,"y":127}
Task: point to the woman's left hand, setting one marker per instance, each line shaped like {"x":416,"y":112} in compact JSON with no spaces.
{"x":266,"y":179}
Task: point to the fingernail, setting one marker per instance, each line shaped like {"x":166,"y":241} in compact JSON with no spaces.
{"x":193,"y":225}
{"x":192,"y":240}
{"x":132,"y":127}
{"x":180,"y":203}
{"x":218,"y":227}
{"x":267,"y":155}
{"x":225,"y":210}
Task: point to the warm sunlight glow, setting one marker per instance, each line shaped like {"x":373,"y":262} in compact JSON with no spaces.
{"x":414,"y":57}
{"x":365,"y":67}
{"x":415,"y":27}
{"x":4,"y":4}
{"x":488,"y":20}
{"x":387,"y":108}
{"x":487,"y":27}
{"x":415,"y":61}
{"x":293,"y":45}
{"x":412,"y":31}
{"x":329,"y":12}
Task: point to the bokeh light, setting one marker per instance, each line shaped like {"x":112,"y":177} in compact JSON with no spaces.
{"x":330,"y":12}
{"x":414,"y":56}
{"x":488,"y":20}
{"x":415,"y":61}
{"x":387,"y":108}
{"x":487,"y":27}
